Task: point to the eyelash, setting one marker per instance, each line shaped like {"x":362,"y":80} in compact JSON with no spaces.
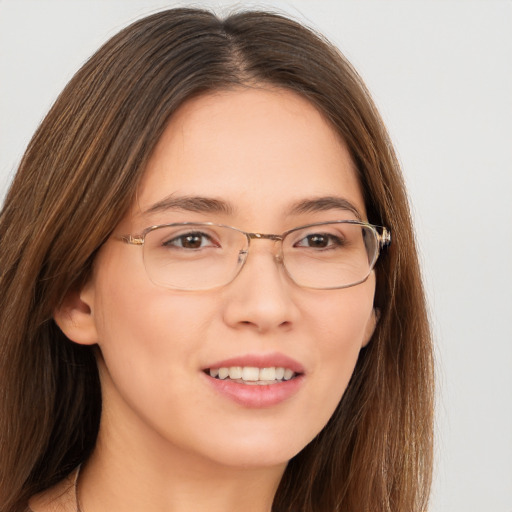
{"x":333,"y":241}
{"x":192,"y":234}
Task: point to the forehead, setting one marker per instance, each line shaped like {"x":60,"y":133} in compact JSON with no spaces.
{"x":259,"y":150}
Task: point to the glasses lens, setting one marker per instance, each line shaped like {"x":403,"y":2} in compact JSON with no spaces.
{"x":331,"y":255}
{"x":193,"y":256}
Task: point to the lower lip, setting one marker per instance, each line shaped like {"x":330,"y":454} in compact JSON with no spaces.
{"x":256,"y":396}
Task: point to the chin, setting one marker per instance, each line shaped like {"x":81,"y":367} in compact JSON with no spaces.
{"x":257,"y":451}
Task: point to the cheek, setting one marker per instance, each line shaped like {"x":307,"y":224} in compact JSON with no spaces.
{"x":147,"y":325}
{"x":147,"y":335}
{"x":149,"y":341}
{"x":344,"y":319}
{"x":343,"y":324}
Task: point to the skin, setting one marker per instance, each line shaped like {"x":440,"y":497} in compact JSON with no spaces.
{"x":168,"y":440}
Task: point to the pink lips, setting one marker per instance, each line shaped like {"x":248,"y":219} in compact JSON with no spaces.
{"x":258,"y":396}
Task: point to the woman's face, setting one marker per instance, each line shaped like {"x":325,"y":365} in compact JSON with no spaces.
{"x":258,"y":153}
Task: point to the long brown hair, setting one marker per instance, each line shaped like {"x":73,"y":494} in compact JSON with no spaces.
{"x":78,"y":178}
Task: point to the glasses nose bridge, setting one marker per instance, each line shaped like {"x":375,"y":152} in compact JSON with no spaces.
{"x":278,"y":255}
{"x":265,"y":236}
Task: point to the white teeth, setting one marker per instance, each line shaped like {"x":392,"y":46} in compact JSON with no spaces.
{"x":288,"y":374}
{"x":235,"y":372}
{"x":223,"y":373}
{"x":252,"y":374}
{"x":267,"y":374}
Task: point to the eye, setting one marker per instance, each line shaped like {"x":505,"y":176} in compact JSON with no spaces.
{"x":320,"y":241}
{"x":191,"y":240}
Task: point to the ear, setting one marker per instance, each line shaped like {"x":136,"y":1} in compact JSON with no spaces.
{"x":75,"y":316}
{"x":370,"y":326}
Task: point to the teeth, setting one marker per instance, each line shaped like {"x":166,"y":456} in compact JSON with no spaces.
{"x":223,"y":373}
{"x":253,"y":375}
{"x":235,"y":372}
{"x":250,"y":373}
{"x":267,"y":374}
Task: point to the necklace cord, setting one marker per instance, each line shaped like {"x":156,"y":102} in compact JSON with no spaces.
{"x":78,"y":508}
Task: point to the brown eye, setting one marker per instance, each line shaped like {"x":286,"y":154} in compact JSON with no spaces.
{"x":195,"y":240}
{"x":319,"y":241}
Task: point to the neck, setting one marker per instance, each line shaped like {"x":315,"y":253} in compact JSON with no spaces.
{"x":107,"y":485}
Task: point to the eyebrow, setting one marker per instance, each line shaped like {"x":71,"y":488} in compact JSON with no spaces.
{"x":201,"y":204}
{"x":322,"y":204}
{"x":197,"y":204}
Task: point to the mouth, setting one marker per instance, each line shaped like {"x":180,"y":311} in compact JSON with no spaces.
{"x":256,"y":381}
{"x":252,"y":375}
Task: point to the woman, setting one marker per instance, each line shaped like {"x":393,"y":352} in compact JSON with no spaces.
{"x":201,"y":306}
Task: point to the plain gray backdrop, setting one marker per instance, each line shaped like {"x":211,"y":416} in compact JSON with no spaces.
{"x":441,"y":74}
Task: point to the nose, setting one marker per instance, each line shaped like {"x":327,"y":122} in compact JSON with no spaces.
{"x":261,"y":296}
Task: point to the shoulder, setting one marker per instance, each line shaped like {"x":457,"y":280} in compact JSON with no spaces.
{"x":59,"y":498}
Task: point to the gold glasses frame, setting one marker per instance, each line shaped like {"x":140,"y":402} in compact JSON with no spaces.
{"x":382,"y":236}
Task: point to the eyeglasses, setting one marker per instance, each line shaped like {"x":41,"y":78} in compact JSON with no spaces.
{"x":203,"y":256}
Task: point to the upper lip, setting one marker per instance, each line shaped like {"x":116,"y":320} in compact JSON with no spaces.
{"x":275,"y":359}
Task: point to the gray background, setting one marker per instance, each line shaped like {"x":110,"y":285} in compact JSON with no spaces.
{"x":441,"y":74}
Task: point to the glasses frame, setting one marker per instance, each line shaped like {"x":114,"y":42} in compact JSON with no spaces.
{"x":381,"y":233}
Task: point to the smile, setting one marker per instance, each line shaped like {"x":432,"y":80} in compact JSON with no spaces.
{"x":252,"y":375}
